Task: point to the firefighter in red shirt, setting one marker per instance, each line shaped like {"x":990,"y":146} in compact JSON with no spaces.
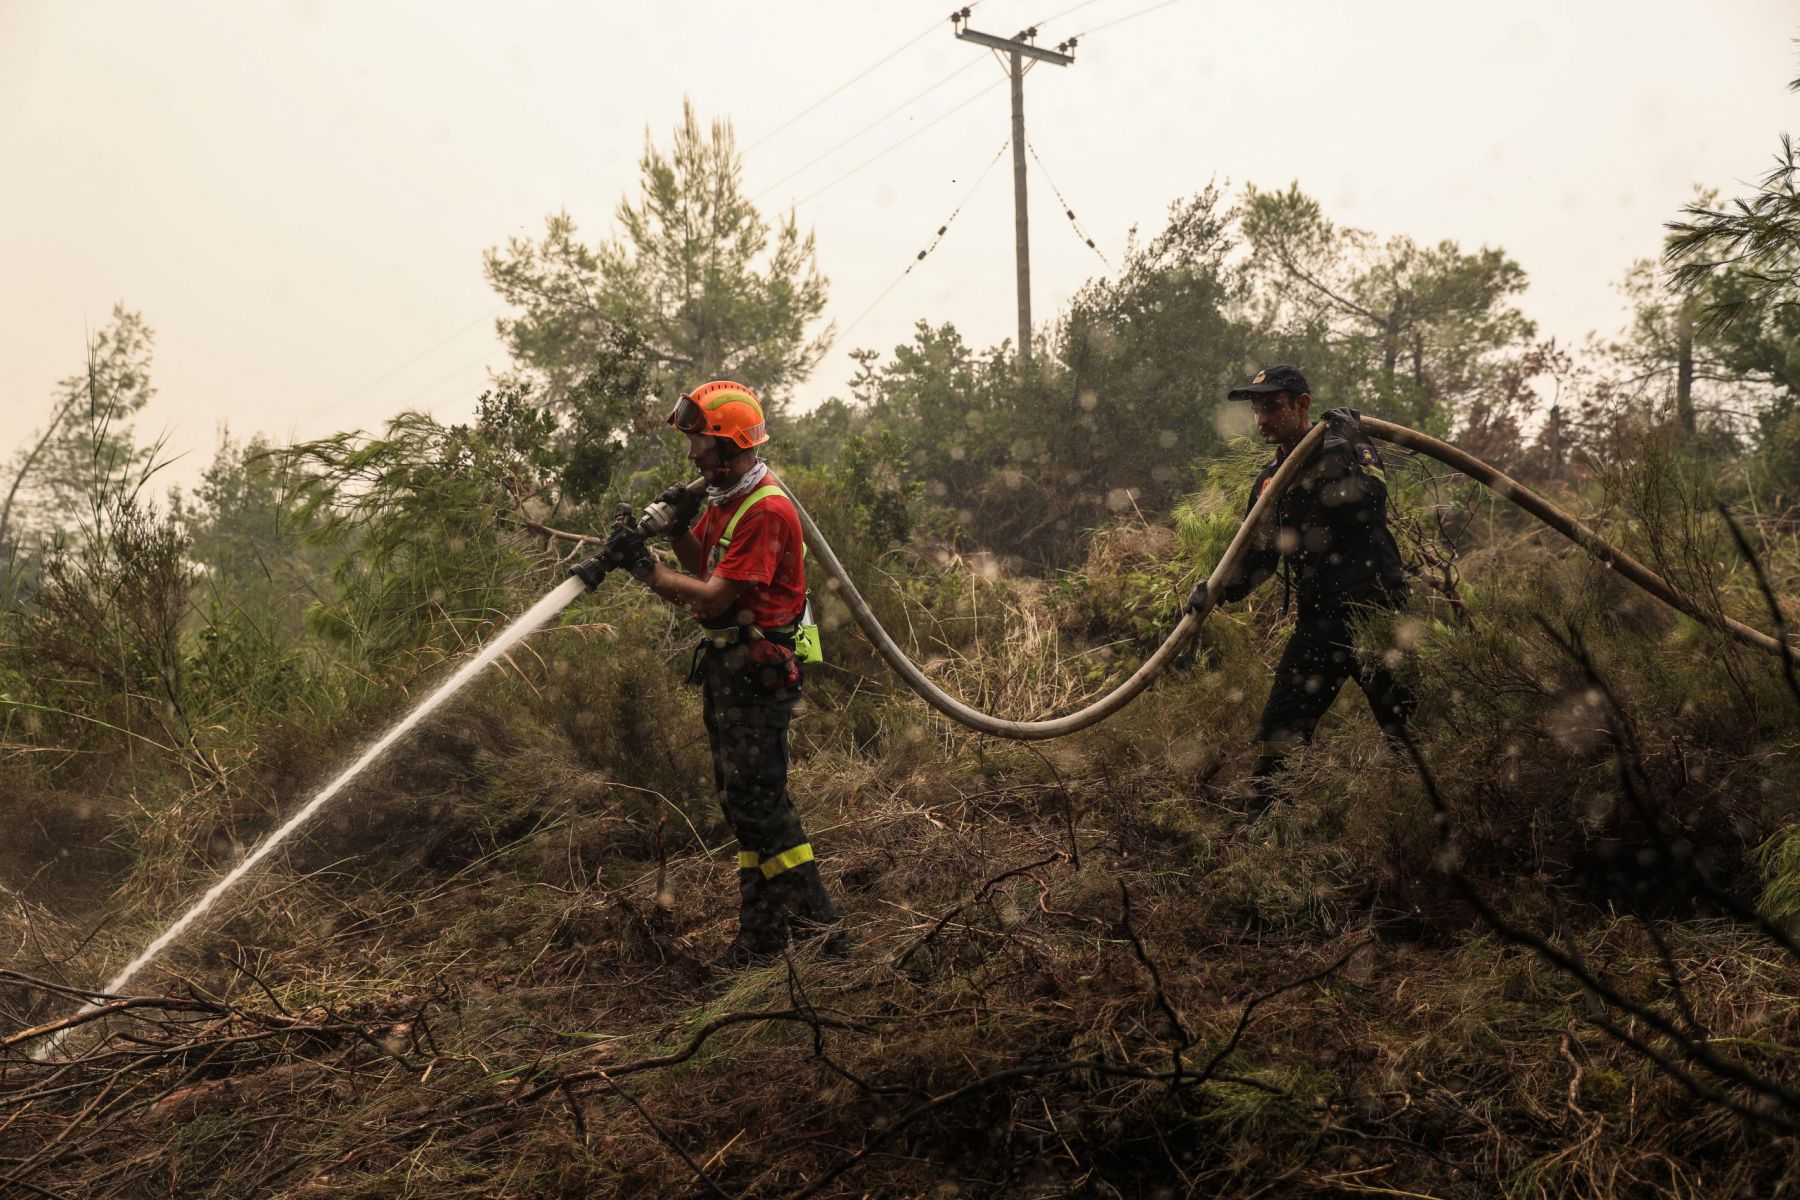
{"x":745,"y":583}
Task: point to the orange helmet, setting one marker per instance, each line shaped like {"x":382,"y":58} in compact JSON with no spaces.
{"x":722,"y":409}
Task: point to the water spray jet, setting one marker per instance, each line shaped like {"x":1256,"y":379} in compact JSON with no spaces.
{"x":656,"y":518}
{"x":584,"y":576}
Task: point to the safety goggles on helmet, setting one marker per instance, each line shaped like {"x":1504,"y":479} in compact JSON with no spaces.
{"x":687,"y":416}
{"x":722,"y":409}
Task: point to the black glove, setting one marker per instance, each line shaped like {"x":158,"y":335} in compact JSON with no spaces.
{"x":623,"y":551}
{"x":685,"y":506}
{"x":630,"y":554}
{"x":1197,"y":598}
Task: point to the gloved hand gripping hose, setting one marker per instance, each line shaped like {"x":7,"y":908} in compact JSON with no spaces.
{"x":624,"y":547}
{"x":1190,"y":622}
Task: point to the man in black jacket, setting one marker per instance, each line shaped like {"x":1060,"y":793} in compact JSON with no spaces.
{"x":1329,"y":538}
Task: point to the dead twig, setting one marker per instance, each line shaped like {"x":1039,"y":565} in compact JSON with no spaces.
{"x":981,"y":894}
{"x":1180,"y":1037}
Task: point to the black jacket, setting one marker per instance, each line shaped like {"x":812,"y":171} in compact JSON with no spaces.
{"x":1330,"y":527}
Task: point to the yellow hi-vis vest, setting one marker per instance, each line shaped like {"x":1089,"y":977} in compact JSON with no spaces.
{"x":806,"y":630}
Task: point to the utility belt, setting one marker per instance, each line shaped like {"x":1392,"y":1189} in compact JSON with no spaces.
{"x":770,"y":656}
{"x":724,"y":638}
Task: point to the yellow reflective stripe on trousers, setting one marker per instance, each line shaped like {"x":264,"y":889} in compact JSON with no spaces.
{"x":748,"y":860}
{"x":787,"y":860}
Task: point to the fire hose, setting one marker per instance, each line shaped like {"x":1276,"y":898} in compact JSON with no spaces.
{"x":623,"y":548}
{"x":1189,"y":626}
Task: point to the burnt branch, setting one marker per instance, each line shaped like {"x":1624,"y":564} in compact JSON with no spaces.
{"x":664,"y":1135}
{"x":1626,"y":757}
{"x":981,"y":894}
{"x":1694,"y":1050}
{"x":1255,"y":1002}
{"x":1776,"y":615}
{"x":1180,"y":1038}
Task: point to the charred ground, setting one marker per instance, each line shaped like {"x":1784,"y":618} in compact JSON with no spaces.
{"x":1552,"y":956}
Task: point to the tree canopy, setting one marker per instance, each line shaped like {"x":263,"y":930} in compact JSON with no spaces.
{"x":86,"y":450}
{"x":696,"y":274}
{"x":1754,"y":239}
{"x":1414,"y":330}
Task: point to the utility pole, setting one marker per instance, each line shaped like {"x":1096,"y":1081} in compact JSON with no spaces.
{"x":1018,"y":49}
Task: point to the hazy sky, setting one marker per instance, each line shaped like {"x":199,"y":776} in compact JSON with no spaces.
{"x":296,"y":195}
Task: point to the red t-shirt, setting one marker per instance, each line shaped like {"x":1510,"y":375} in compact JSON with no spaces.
{"x":765,"y":552}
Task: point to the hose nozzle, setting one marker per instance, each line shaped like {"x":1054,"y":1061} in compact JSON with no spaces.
{"x":591,"y":570}
{"x":628,"y":535}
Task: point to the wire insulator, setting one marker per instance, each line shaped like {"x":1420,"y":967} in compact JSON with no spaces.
{"x":921,"y":255}
{"x":1074,"y":221}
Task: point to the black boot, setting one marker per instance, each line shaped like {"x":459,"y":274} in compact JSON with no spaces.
{"x":762,"y":922}
{"x":809,"y":909}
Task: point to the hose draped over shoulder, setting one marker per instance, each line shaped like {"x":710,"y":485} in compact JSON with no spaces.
{"x":1189,"y":625}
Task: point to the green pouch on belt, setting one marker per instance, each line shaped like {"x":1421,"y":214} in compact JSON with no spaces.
{"x":806,"y":638}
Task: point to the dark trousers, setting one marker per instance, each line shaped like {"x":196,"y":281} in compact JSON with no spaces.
{"x":1320,"y":656}
{"x":747,"y":726}
{"x":779,"y":889}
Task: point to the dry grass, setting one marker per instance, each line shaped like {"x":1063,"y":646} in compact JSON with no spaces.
{"x":1078,"y":970}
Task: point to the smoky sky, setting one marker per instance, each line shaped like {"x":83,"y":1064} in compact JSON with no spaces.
{"x":297,"y":195}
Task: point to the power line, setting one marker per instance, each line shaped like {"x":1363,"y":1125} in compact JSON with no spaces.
{"x":1128,"y":17}
{"x":452,"y":375}
{"x":872,"y":124}
{"x":939,"y":119}
{"x":393,"y":371}
{"x":854,"y":79}
{"x":448,"y":338}
{"x":1065,"y":12}
{"x":920,"y":257}
{"x":1022,"y":53}
{"x":365,"y":388}
{"x":1069,"y":212}
{"x":460,"y":330}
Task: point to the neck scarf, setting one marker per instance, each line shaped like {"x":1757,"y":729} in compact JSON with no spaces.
{"x":755,"y":475}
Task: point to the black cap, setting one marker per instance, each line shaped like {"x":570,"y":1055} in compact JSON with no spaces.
{"x":1282,"y":377}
